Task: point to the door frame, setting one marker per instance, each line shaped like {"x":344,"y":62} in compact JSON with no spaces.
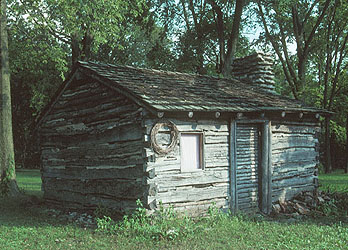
{"x":265,"y":163}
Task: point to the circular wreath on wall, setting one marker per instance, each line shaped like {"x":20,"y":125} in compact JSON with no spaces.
{"x":174,"y":134}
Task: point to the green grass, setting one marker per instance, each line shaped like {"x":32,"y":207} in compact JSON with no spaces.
{"x":30,"y":181}
{"x":28,"y":227}
{"x":334,"y":182}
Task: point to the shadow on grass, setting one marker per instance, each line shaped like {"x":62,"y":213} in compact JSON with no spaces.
{"x":18,"y":212}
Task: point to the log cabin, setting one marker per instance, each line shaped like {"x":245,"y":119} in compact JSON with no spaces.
{"x":116,"y":134}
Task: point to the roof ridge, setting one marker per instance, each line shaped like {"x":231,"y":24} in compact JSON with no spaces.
{"x":158,"y":70}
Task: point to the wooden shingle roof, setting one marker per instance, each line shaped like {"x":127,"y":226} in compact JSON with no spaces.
{"x":172,"y":91}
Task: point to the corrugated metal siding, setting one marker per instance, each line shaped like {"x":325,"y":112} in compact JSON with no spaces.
{"x":248,"y":162}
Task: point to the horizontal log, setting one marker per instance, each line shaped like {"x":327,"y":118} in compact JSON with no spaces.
{"x":290,"y":174}
{"x":131,"y":172}
{"x":93,"y":98}
{"x":217,"y":140}
{"x":92,"y":161}
{"x":107,"y":150}
{"x":76,"y":115}
{"x":167,"y":181}
{"x":288,"y":193}
{"x":291,"y":182}
{"x":193,"y":194}
{"x":295,"y":123}
{"x":286,"y":129}
{"x":194,"y":126}
{"x":93,"y":116}
{"x":294,"y":166}
{"x":68,"y":199}
{"x":218,"y":163}
{"x":78,"y":87}
{"x":200,"y":208}
{"x":119,"y":134}
{"x":115,"y":188}
{"x":293,"y":155}
{"x":294,"y":142}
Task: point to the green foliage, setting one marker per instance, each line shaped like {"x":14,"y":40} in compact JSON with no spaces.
{"x":329,"y":208}
{"x":339,"y":133}
{"x":102,"y":212}
{"x":164,"y":225}
{"x":337,"y":205}
{"x":336,"y":182}
{"x":215,"y":215}
{"x":336,"y":187}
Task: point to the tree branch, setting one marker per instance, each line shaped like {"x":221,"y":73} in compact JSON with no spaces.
{"x":277,"y":50}
{"x":233,"y":40}
{"x":220,"y":30}
{"x":185,"y":15}
{"x":311,"y":35}
{"x":338,"y":71}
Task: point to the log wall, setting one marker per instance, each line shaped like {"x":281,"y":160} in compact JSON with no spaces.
{"x":294,"y":158}
{"x":92,"y":149}
{"x":192,"y":192}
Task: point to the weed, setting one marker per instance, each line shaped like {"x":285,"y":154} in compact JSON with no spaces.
{"x":101,"y":212}
{"x":329,"y":208}
{"x":163,"y":224}
{"x":215,"y":215}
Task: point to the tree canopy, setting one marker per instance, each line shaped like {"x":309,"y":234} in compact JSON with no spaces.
{"x":46,"y":37}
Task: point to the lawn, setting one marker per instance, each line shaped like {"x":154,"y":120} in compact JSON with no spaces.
{"x":29,"y":180}
{"x":29,"y":227}
{"x":334,"y":182}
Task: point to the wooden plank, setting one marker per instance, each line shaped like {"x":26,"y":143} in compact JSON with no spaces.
{"x":294,"y":142}
{"x":130,"y":172}
{"x":296,"y":180}
{"x":93,"y":116}
{"x":293,"y":129}
{"x":167,"y":181}
{"x":120,"y":150}
{"x":118,"y":134}
{"x":189,"y":194}
{"x":269,"y":165}
{"x":247,"y":154}
{"x":194,"y":125}
{"x":92,"y":161}
{"x":69,"y":199}
{"x":293,"y":155}
{"x":233,"y":166}
{"x":114,"y":188}
{"x":289,"y":192}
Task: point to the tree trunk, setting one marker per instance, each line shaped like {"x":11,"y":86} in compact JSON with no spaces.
{"x":86,"y":46}
{"x":220,"y":30}
{"x":346,"y":168}
{"x":75,"y":49}
{"x":327,"y":160}
{"x":8,"y":182}
{"x":233,"y":40}
{"x":301,"y":74}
